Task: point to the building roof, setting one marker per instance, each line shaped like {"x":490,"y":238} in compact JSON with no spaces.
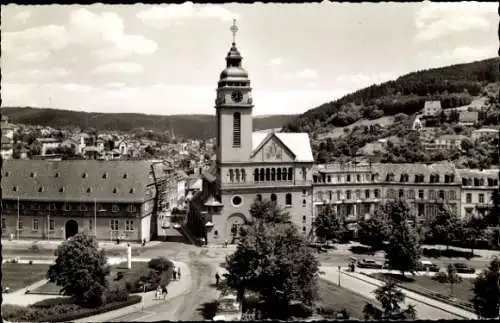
{"x":48,"y":140}
{"x":478,"y":173}
{"x":414,"y":169}
{"x":485,"y":130}
{"x":468,"y":116}
{"x":76,"y":180}
{"x":298,"y":143}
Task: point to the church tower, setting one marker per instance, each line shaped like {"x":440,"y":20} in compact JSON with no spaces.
{"x":234,"y":109}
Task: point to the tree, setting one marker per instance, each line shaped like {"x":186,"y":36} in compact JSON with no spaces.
{"x":374,"y":231}
{"x":493,"y":217}
{"x":445,"y":226}
{"x":486,"y":298}
{"x":273,"y":260}
{"x":391,"y":298}
{"x":403,"y":251}
{"x":328,"y":226}
{"x":80,"y":270}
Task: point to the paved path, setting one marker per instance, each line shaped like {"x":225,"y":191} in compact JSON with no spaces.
{"x":426,"y":308}
{"x":19,"y":297}
{"x":418,"y":273}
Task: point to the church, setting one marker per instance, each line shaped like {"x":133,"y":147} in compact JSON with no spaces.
{"x":251,"y":166}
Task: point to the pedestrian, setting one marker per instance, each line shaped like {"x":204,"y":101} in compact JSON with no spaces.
{"x":143,"y":242}
{"x":174,"y":274}
{"x":179,"y":273}
{"x":217,"y":277}
{"x":226,"y":243}
{"x":158,"y":292}
{"x":164,"y":292}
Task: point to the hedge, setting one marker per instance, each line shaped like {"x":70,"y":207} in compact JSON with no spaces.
{"x":46,"y":311}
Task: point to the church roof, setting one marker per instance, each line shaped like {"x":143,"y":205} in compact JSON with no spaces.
{"x":297,"y":142}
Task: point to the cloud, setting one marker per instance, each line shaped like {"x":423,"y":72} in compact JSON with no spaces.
{"x":463,"y":53}
{"x":38,"y":74}
{"x":119,"y":67}
{"x":166,"y":15}
{"x":22,"y":17}
{"x":435,"y":20}
{"x":116,"y":85}
{"x":35,"y":56}
{"x":359,"y":80}
{"x":73,"y":87}
{"x":102,"y":33}
{"x":307,"y":73}
{"x":276,"y":61}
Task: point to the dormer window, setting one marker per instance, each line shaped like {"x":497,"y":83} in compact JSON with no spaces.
{"x":115,"y":208}
{"x":32,"y":174}
{"x":131,"y":191}
{"x":61,"y":189}
{"x":6,"y":174}
{"x":89,"y":190}
{"x":14,"y":189}
{"x":40,"y":189}
{"x":84,"y":175}
{"x":115,"y":190}
{"x":56,"y":174}
{"x":125,"y":176}
{"x":389,"y":177}
{"x":83,"y":207}
{"x":105,"y":175}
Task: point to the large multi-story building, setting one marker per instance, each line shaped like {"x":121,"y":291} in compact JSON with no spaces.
{"x":477,"y":189}
{"x":251,"y":165}
{"x":56,"y":199}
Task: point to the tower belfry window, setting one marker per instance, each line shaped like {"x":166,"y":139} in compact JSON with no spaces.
{"x":236,"y":129}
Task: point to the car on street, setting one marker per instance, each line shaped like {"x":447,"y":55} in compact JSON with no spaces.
{"x":229,"y":309}
{"x":464,"y":268}
{"x":368,"y":263}
{"x":427,"y":265}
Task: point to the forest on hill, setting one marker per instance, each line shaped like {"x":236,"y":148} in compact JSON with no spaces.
{"x":453,"y":85}
{"x":184,"y":126}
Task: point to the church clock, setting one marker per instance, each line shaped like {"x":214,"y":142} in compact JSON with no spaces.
{"x":237,"y":96}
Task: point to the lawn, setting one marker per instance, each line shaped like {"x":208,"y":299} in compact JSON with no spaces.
{"x":17,"y":276}
{"x":138,"y":269}
{"x":462,"y":291}
{"x":337,"y":298}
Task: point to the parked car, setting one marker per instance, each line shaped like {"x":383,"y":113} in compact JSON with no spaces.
{"x":229,"y":309}
{"x":464,"y":268}
{"x":368,"y":263}
{"x":425,"y":265}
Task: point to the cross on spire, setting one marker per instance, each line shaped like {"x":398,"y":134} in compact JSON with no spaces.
{"x":234,"y":30}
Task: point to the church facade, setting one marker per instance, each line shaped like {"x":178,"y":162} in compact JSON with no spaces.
{"x":253,"y":165}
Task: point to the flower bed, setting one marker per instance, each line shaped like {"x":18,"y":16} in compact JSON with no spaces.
{"x":60,"y":310}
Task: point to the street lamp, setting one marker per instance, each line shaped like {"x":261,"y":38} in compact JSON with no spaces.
{"x":339,"y":274}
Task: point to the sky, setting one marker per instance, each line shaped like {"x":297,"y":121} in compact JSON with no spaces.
{"x":166,"y":59}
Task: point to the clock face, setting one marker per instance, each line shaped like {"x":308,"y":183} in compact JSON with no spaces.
{"x":237,"y":96}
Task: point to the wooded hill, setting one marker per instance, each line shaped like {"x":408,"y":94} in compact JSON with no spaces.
{"x":454,"y":85}
{"x":185,"y":126}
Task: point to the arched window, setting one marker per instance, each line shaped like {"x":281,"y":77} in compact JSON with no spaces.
{"x":273,"y":198}
{"x":278,"y":174}
{"x":256,"y":175}
{"x":262,"y":174}
{"x":338,"y":195}
{"x":401,"y":193}
{"x":284,"y":174}
{"x":243,"y":175}
{"x":320,"y":196}
{"x":273,"y":174}
{"x":348,"y":194}
{"x":236,"y":129}
{"x":268,"y":174}
{"x":330,"y":195}
{"x":237,"y":174}
{"x":290,"y":173}
{"x":259,"y":197}
{"x":231,"y":175}
{"x":315,"y":178}
{"x":288,"y":199}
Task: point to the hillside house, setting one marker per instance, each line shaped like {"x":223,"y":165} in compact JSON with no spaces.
{"x":7,"y":138}
{"x":484,"y":134}
{"x":414,"y":122}
{"x":432,"y":109}
{"x":444,"y":142}
{"x":468,"y":118}
{"x":48,"y":145}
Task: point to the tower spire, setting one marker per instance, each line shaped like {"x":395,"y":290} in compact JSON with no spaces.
{"x":234,"y":30}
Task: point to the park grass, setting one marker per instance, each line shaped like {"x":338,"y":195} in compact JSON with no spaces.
{"x":138,"y":269}
{"x":17,"y":276}
{"x":338,"y":298}
{"x":462,"y":291}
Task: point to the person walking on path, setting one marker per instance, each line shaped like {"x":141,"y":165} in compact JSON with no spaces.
{"x":179,"y":273}
{"x":217,"y":277}
{"x":174,"y":274}
{"x":164,"y":293}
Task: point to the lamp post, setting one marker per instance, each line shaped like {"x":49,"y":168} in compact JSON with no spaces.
{"x":339,"y":274}
{"x":17,"y":226}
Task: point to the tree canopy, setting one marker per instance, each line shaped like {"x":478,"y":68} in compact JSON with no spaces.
{"x":445,"y":227}
{"x":80,"y":270}
{"x":273,"y":260}
{"x":391,"y":298}
{"x":486,"y":298}
{"x":328,"y":226}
